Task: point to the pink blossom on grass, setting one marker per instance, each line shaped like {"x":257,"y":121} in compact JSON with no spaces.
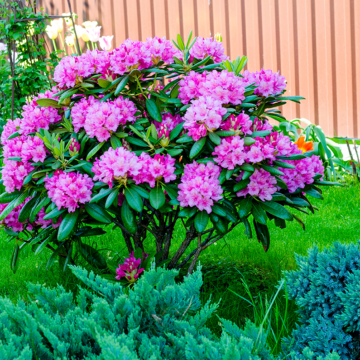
{"x":130,"y":268}
{"x":200,"y":186}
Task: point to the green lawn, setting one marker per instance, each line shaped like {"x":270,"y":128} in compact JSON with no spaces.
{"x":337,"y":220}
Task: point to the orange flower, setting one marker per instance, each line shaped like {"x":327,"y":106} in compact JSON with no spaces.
{"x":304,"y":145}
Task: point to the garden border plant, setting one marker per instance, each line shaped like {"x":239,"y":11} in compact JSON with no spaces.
{"x":199,"y":150}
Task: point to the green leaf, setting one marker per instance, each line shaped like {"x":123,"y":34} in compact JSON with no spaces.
{"x":197,"y":147}
{"x":184,"y":139}
{"x":241,"y":185}
{"x":201,"y":221}
{"x":134,"y":199}
{"x":327,"y":183}
{"x":262,"y":233}
{"x":95,"y":150}
{"x":6,"y":198}
{"x":128,"y":218}
{"x":153,"y":110}
{"x":157,"y":197}
{"x":259,"y":214}
{"x":247,"y":167}
{"x":25,"y":211}
{"x":180,"y":42}
{"x":12,"y":205}
{"x":92,"y":256}
{"x":98,"y":213}
{"x":102,"y":193}
{"x":110,"y":199}
{"x":284,"y":165}
{"x":260,"y":133}
{"x":48,"y":103}
{"x":249,"y":141}
{"x":136,"y":141}
{"x":173,"y":194}
{"x":14,"y":135}
{"x":115,"y":142}
{"x":53,"y":214}
{"x":245,"y":206}
{"x":187,"y":212}
{"x":272,"y":170}
{"x":291,"y":157}
{"x":53,"y":256}
{"x":42,"y":246}
{"x":104,"y":83}
{"x":222,"y":176}
{"x":174,"y":152}
{"x":176,"y":131}
{"x":277,"y":210}
{"x":221,"y":225}
{"x":219,"y":210}
{"x":312,"y":192}
{"x":215,"y":138}
{"x":141,"y":191}
{"x":225,"y":133}
{"x":14,"y":258}
{"x":189,"y":39}
{"x":14,"y":158}
{"x":248,"y":231}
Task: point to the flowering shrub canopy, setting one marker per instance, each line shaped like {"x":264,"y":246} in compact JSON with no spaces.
{"x":108,"y":144}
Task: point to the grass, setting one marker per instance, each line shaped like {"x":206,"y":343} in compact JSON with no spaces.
{"x":235,"y":269}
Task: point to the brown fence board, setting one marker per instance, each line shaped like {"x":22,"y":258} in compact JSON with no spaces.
{"x":314,"y":43}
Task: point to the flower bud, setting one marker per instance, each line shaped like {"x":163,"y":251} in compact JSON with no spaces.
{"x":105,"y":42}
{"x":74,"y":147}
{"x":125,"y":144}
{"x":218,"y":37}
{"x":164,"y":142}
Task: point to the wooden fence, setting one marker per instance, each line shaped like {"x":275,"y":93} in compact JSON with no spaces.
{"x":314,"y":43}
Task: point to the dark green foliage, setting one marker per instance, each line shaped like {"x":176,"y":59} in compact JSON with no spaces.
{"x":157,"y":319}
{"x":326,"y":289}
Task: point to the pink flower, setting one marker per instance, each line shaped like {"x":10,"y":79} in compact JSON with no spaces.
{"x":14,"y":173}
{"x":79,"y":112}
{"x":160,"y":167}
{"x":45,"y":223}
{"x":267,"y":82}
{"x":202,"y":116}
{"x":241,"y":125}
{"x":130,"y":269}
{"x":161,"y":50}
{"x":72,"y":70}
{"x":169,"y":120}
{"x":200,"y":186}
{"x":74,"y":147}
{"x":118,"y":164}
{"x":303,"y":174}
{"x":190,"y":86}
{"x":205,"y":47}
{"x":230,"y":152}
{"x":68,"y":190}
{"x":262,"y":184}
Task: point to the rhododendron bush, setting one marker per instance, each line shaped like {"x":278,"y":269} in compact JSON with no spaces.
{"x":110,"y":145}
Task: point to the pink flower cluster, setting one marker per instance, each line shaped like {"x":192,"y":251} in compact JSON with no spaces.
{"x":116,"y":164}
{"x":79,"y":112}
{"x":200,"y":186}
{"x":262,"y":184}
{"x":102,"y":118}
{"x":35,"y":118}
{"x":230,"y":152}
{"x":99,"y":60}
{"x":141,"y":55}
{"x":12,"y":220}
{"x":26,"y":148}
{"x":268,"y":83}
{"x":68,"y":190}
{"x":130,"y":269}
{"x":223,"y":86}
{"x":205,"y":114}
{"x":169,"y":120}
{"x":205,"y":47}
{"x":241,"y":125}
{"x":160,"y":167}
{"x":72,"y":70}
{"x":303,"y":173}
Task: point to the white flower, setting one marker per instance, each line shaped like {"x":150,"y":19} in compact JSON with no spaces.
{"x":52,"y":32}
{"x":89,"y":24}
{"x":105,"y":42}
{"x":58,"y":25}
{"x":70,"y":40}
{"x":94,"y":33}
{"x":3,"y":47}
{"x":68,"y":21}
